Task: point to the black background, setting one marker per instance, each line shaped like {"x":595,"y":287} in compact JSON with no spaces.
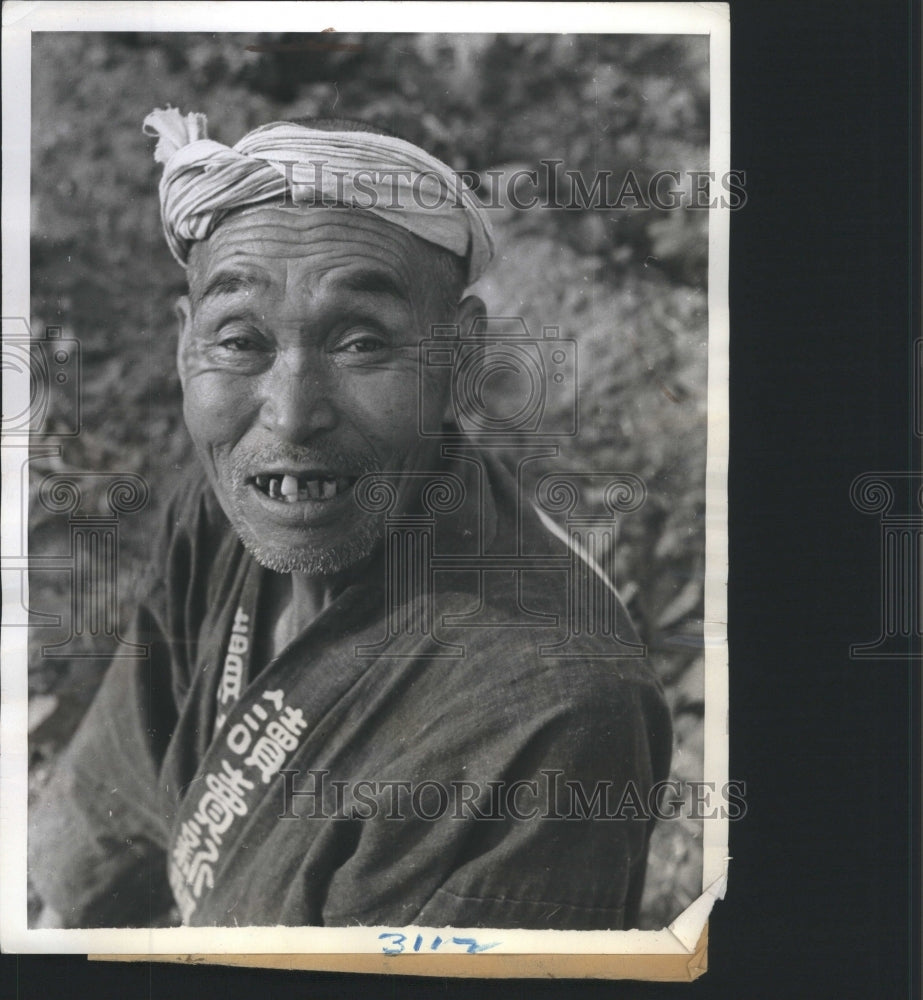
{"x":824,"y":891}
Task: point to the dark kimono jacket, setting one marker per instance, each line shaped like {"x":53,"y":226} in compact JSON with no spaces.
{"x":407,"y":760}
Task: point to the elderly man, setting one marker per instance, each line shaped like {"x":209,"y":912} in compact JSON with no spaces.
{"x":327,"y":732}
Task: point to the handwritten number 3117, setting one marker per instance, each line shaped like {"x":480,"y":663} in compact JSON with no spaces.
{"x":395,"y":944}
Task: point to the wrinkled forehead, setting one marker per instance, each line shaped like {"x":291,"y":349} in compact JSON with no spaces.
{"x":320,"y":243}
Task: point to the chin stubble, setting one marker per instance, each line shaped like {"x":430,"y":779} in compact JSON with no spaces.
{"x":361,"y":534}
{"x":328,"y":561}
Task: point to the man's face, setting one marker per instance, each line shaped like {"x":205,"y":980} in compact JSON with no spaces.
{"x":298,"y":357}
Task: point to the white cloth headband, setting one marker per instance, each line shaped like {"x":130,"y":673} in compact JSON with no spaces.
{"x":203,"y":180}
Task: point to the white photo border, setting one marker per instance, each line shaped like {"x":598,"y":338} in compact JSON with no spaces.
{"x":20,"y":19}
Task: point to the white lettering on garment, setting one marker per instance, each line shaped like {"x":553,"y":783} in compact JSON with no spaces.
{"x":232,"y":674}
{"x":259,"y":744}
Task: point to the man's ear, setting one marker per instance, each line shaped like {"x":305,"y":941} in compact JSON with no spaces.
{"x":183,"y":311}
{"x":467,"y":311}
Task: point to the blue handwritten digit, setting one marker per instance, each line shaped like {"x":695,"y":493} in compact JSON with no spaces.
{"x":418,"y":942}
{"x":397,"y":947}
{"x":473,"y":946}
{"x":436,"y":942}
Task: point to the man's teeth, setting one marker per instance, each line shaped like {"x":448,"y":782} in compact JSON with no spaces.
{"x":288,"y":488}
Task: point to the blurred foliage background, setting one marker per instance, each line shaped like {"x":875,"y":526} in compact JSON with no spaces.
{"x":629,"y":285}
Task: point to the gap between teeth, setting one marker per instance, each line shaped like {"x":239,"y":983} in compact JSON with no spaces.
{"x":288,"y":488}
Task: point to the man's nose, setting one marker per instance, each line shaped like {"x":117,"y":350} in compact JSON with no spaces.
{"x":299,"y":401}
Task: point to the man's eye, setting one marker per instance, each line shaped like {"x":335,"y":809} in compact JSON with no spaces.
{"x":238,"y":347}
{"x":362,"y":343}
{"x":238,"y":342}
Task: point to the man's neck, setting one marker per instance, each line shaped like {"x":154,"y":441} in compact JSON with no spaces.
{"x":297,"y":599}
{"x":310,"y":595}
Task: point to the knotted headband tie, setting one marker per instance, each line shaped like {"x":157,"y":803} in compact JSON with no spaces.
{"x":285,"y":163}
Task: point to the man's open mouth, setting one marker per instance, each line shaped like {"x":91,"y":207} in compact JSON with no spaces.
{"x":291,"y":487}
